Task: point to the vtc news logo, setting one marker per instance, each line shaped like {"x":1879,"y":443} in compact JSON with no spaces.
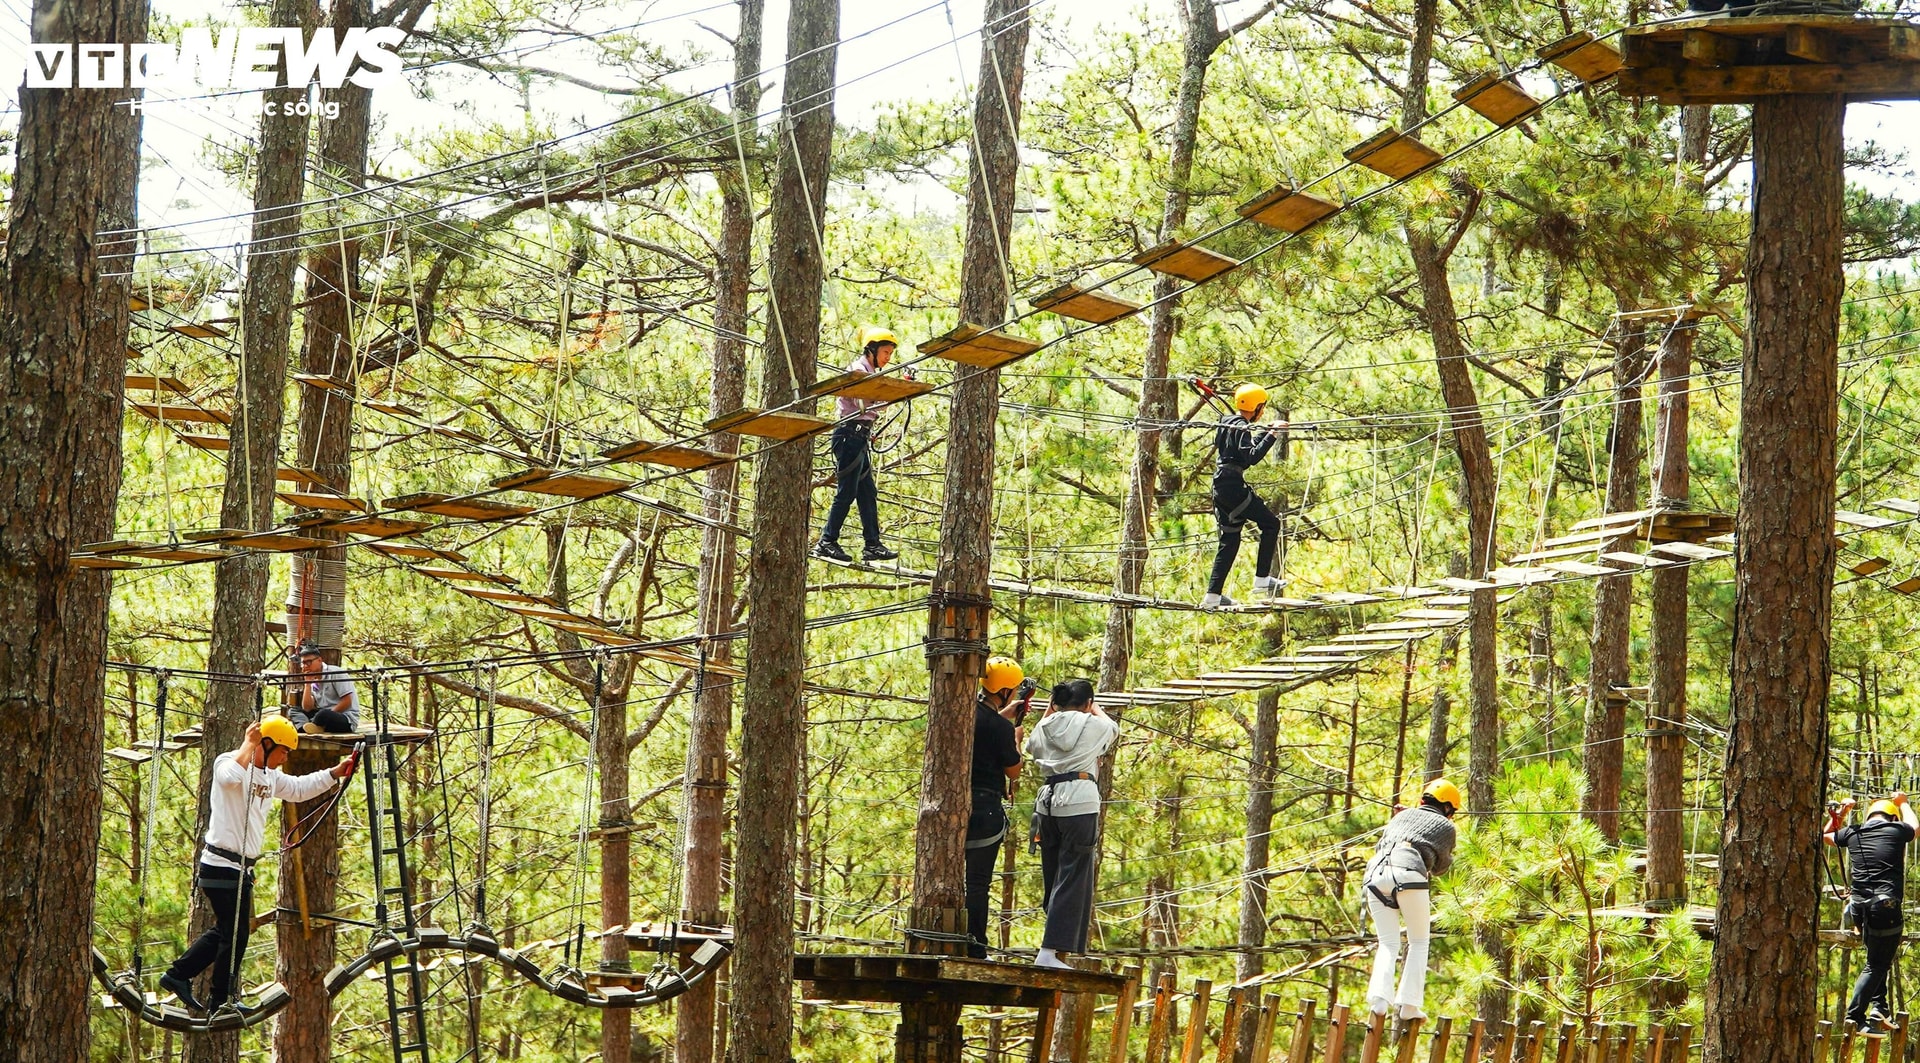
{"x":241,"y":58}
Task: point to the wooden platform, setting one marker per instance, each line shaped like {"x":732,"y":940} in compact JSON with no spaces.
{"x":1498,"y":99}
{"x":769,"y":424}
{"x":1393,"y":153}
{"x":1186,"y":261}
{"x":903,"y":979}
{"x":672,"y":455}
{"x":1727,"y":58}
{"x":979,"y":347}
{"x":1286,"y":208}
{"x":567,"y":484}
{"x":454,"y":506}
{"x":870,"y":387}
{"x":1084,"y":304}
{"x":1584,"y":56}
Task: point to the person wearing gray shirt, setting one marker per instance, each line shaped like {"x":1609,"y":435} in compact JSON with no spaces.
{"x":1416,"y":846}
{"x":327,"y":702}
{"x":1067,"y":746}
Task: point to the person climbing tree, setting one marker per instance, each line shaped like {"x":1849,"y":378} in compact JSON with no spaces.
{"x":1241,"y":446}
{"x":1417,"y":847}
{"x":853,"y":458}
{"x":1005,"y":693}
{"x":328,"y":703}
{"x":1877,"y":852}
{"x":245,"y":781}
{"x":1067,"y":746}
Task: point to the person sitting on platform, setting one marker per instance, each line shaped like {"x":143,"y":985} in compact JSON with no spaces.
{"x":1005,"y":692}
{"x":1416,"y":848}
{"x":1240,"y":446}
{"x":328,"y":703}
{"x":1877,"y":853}
{"x":246,"y":781}
{"x":1067,"y":746}
{"x":852,"y":445}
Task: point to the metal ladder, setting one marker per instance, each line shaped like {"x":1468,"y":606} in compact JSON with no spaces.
{"x":393,"y":888}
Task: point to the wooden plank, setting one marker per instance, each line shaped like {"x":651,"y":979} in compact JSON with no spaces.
{"x":1900,"y":505}
{"x":1288,"y":209}
{"x":1584,"y":57}
{"x":1811,"y":44}
{"x":1158,"y":1018}
{"x":379,"y":527}
{"x":1123,"y":1017}
{"x":279,"y":542}
{"x":783,"y":425}
{"x":197,"y":331}
{"x":567,"y":484}
{"x":323,"y":382}
{"x":1822,"y":1037}
{"x":453,"y":506}
{"x":871,"y":387}
{"x":323,"y":500}
{"x":1569,"y":1043}
{"x":1623,"y":557}
{"x":457,"y":575}
{"x":672,"y":455}
{"x":1498,"y":99}
{"x":1609,"y":519}
{"x":131,"y":756}
{"x":1043,"y":1020}
{"x":150,"y":382}
{"x":1889,"y":80}
{"x":1689,"y":551}
{"x":1370,"y":1044}
{"x":424,"y":552}
{"x":979,"y":347}
{"x":1454,"y":583}
{"x":1186,"y":261}
{"x":304,"y":477}
{"x":1197,"y":1021}
{"x":394,"y":409}
{"x":1708,"y":48}
{"x":1476,"y":1031}
{"x":1230,"y":1024}
{"x":1442,"y":1033}
{"x":1336,"y":1034}
{"x":1897,"y":1044}
{"x":1581,"y":568}
{"x":1869,"y":566}
{"x":1409,"y":1037}
{"x":1083,"y":304}
{"x":182,"y":414}
{"x":1300,"y":1048}
{"x":1395,"y":154}
{"x":1862,"y":520}
{"x":178,"y":552}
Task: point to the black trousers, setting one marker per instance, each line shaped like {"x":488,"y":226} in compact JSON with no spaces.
{"x":853,"y":462}
{"x":1066,"y":874}
{"x":332,"y":721}
{"x":1883,"y":942}
{"x":224,"y":944}
{"x":1234,"y":504}
{"x":986,"y":828}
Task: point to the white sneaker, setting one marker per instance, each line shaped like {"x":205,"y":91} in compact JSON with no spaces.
{"x":1047,"y":958}
{"x":1379,"y":1005}
{"x":1268,"y":584}
{"x":1215,"y":601}
{"x":1409,"y":1012}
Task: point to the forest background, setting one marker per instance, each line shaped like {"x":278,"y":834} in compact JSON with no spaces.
{"x":567,"y":317}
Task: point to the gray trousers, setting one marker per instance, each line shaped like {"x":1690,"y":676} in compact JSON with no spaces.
{"x":1066,"y":873}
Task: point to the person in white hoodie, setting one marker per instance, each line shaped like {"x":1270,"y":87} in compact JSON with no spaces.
{"x":246,"y":782}
{"x":1067,"y":746}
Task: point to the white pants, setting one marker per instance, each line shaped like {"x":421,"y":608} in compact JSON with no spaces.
{"x":1415,"y":913}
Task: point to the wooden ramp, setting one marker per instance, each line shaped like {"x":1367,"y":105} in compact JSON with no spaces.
{"x":1740,"y":58}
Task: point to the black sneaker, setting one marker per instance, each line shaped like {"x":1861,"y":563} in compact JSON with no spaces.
{"x":830,"y":550}
{"x":878,"y":552}
{"x":183,"y":989}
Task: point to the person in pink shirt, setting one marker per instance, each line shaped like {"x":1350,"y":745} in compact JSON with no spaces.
{"x":852,"y":445}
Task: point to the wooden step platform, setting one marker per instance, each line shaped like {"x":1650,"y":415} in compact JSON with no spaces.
{"x":453,"y":506}
{"x":421,"y":552}
{"x":1582,"y":55}
{"x":1084,"y":304}
{"x":1498,"y":99}
{"x":1285,"y":208}
{"x":378,"y":527}
{"x":783,"y":425}
{"x":1186,"y":261}
{"x":672,"y":455}
{"x":567,"y":484}
{"x":1393,"y":153}
{"x":979,"y":347}
{"x":904,"y":979}
{"x":870,"y":387}
{"x":182,"y":414}
{"x":1729,"y":58}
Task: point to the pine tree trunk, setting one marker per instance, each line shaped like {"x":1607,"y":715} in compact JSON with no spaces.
{"x":760,"y":1017}
{"x":713,"y":702}
{"x":316,"y":599}
{"x":63,"y":331}
{"x":616,"y":862}
{"x":1666,"y":875}
{"x":1253,"y":891}
{"x":1760,"y":995}
{"x":1605,"y":734}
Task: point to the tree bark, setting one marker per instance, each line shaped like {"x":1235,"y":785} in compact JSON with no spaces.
{"x":1605,"y":734}
{"x":930,"y":1033}
{"x":63,"y":331}
{"x":616,"y":862}
{"x":1253,"y":891}
{"x":1760,"y":993}
{"x":1457,"y":389}
{"x":760,"y":1018}
{"x":713,"y":702}
{"x":1666,"y":874}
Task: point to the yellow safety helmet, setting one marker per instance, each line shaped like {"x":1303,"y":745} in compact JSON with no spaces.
{"x":1003,"y":673}
{"x":1883,"y":807}
{"x":1444,"y":792}
{"x":1249,"y":397}
{"x":873,"y":334}
{"x":281,"y":731}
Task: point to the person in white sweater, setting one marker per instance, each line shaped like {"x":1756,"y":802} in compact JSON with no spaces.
{"x":1416,"y":848}
{"x":1067,"y":747}
{"x":246,"y":782}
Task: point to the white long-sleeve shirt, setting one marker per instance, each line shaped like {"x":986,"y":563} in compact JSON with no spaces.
{"x":242,"y":797}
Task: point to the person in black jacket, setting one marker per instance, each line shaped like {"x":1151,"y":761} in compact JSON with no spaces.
{"x":1241,"y":446}
{"x":1877,"y":852}
{"x":1005,"y":693}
